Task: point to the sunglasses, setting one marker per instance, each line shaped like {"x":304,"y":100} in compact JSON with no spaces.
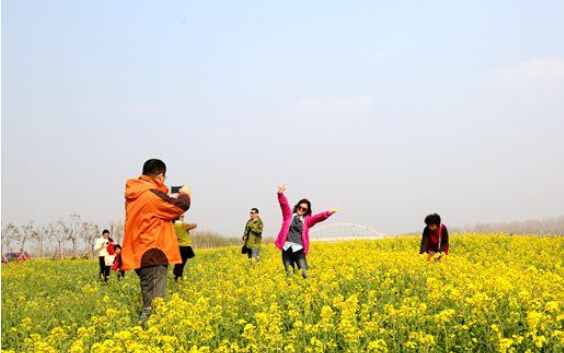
{"x":300,"y":208}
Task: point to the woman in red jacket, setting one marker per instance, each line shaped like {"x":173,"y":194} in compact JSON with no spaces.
{"x":435,"y":237}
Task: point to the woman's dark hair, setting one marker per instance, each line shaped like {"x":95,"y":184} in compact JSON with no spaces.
{"x":105,"y":232}
{"x":117,"y":247}
{"x":110,"y":239}
{"x":306,"y":201}
{"x":154,"y":167}
{"x":433,"y":219}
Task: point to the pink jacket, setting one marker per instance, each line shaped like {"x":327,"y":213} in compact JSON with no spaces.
{"x":309,"y":221}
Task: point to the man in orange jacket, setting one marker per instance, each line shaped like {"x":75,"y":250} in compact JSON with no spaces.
{"x":149,"y":244}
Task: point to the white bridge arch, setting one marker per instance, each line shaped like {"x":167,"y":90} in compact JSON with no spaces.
{"x":344,"y":231}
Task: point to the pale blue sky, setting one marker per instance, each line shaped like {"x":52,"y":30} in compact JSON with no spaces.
{"x":391,"y":110}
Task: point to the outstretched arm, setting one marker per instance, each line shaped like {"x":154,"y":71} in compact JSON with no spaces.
{"x":284,"y":205}
{"x":190,"y":226}
{"x":168,"y":207}
{"x":320,"y":217}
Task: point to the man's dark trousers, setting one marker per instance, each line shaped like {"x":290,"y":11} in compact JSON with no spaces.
{"x":153,"y":284}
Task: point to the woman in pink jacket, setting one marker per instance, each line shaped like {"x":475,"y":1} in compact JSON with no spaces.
{"x":293,"y":238}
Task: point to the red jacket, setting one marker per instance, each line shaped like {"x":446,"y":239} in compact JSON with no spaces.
{"x":117,"y":263}
{"x":110,"y":248}
{"x":435,"y":241}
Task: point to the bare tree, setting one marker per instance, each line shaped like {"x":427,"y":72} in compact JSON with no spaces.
{"x":58,"y":233}
{"x":116,"y":231}
{"x":10,"y":233}
{"x":39,"y":235}
{"x":72,"y":228}
{"x":89,"y":234}
{"x":28,"y":231}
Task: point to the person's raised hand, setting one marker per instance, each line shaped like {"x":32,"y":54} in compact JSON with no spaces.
{"x":185,"y":190}
{"x":333,"y":210}
{"x":281,"y":189}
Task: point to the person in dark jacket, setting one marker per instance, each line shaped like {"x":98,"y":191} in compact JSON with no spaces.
{"x":435,"y":237}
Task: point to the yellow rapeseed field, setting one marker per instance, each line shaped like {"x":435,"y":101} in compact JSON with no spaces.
{"x":494,"y":293}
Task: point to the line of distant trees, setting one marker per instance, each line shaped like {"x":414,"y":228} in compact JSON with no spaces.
{"x":209,"y":239}
{"x":549,"y":226}
{"x":73,"y":237}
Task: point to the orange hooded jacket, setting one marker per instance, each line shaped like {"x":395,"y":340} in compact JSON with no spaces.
{"x":149,"y":238}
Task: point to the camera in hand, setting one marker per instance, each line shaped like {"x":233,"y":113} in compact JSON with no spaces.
{"x":175,"y":189}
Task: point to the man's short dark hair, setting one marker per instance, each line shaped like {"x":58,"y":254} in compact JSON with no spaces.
{"x":105,"y":232}
{"x":433,"y":219}
{"x":254,"y":209}
{"x":154,"y":167}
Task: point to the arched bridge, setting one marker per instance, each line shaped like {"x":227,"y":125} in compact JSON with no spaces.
{"x":344,"y":231}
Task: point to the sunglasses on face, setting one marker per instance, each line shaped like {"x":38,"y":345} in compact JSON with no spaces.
{"x":300,"y":208}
